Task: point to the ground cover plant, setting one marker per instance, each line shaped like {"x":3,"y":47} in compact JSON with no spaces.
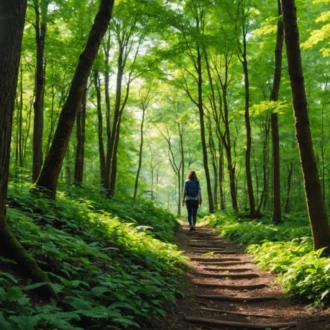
{"x":286,"y":249}
{"x":110,"y":274}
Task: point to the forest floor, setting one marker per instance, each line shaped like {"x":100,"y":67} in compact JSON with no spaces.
{"x":225,"y":289}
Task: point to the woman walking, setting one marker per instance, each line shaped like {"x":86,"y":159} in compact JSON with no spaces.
{"x":192,"y":197}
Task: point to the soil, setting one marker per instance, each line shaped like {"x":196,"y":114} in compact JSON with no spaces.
{"x":224,"y":289}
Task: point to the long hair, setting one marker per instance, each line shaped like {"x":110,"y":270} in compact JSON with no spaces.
{"x":192,"y":176}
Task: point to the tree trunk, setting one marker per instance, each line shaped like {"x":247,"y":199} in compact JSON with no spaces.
{"x":100,"y":128}
{"x":249,"y":183}
{"x":264,"y":194}
{"x":19,"y":124}
{"x":12,"y":17}
{"x":214,"y":166}
{"x":111,"y":165}
{"x":49,"y":174}
{"x":140,"y":153}
{"x":226,"y":136}
{"x":106,"y":170}
{"x":202,"y":130}
{"x":221,"y":176}
{"x":81,"y":137}
{"x":315,"y":203}
{"x":40,"y":9}
{"x":277,"y":213}
{"x":181,"y":134}
{"x":288,"y":190}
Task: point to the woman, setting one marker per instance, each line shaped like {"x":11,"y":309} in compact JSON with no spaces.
{"x":192,"y":197}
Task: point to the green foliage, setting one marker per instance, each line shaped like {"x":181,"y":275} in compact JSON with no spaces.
{"x":286,"y":249}
{"x":109,"y":273}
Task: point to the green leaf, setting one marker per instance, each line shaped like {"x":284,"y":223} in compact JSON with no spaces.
{"x":34,"y":286}
{"x":100,"y":290}
{"x":14,"y":294}
{"x":25,"y":322}
{"x":80,"y":305}
{"x":9,"y":276}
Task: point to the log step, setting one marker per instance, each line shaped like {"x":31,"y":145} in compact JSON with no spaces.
{"x":226,"y":263}
{"x":232,"y":287}
{"x":206,"y":309}
{"x":213,"y":260}
{"x":208,"y":246}
{"x":205,"y":251}
{"x":239,"y":325}
{"x":208,"y":249}
{"x":230,"y":276}
{"x":237,"y":298}
{"x":229,"y":270}
{"x":213,"y":240}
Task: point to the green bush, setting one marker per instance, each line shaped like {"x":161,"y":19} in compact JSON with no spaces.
{"x":110,"y":272}
{"x":286,"y":249}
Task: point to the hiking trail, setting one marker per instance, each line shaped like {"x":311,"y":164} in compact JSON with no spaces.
{"x":225,"y":289}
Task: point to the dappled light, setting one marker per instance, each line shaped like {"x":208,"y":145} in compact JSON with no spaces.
{"x":164,"y":165}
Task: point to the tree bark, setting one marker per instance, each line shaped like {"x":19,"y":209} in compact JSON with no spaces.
{"x":264,"y":194}
{"x":111,"y":166}
{"x":40,"y":8}
{"x":221,"y":178}
{"x":48,"y":178}
{"x":214,"y":165}
{"x":241,"y":37}
{"x":226,"y":135}
{"x":249,"y":183}
{"x":12,"y":15}
{"x":106,"y":165}
{"x":277,"y":213}
{"x":81,"y":137}
{"x":203,"y":133}
{"x":140,"y":152}
{"x":19,"y":124}
{"x":314,"y":199}
{"x":100,"y":127}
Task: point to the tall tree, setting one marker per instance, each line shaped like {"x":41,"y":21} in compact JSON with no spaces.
{"x":242,"y":23}
{"x":145,"y":103}
{"x":195,"y":50}
{"x":97,"y":86}
{"x":41,"y":11}
{"x":12,"y":16}
{"x":277,"y":213}
{"x":53,"y":163}
{"x":125,"y":37}
{"x":81,"y":138}
{"x":315,"y":203}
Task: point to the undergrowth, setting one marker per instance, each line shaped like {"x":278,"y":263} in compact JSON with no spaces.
{"x":286,"y":249}
{"x":109,"y":271}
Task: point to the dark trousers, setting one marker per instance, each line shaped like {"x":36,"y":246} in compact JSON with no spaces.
{"x":192,"y":207}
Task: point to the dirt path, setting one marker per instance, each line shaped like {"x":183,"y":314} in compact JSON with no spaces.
{"x":226,"y":290}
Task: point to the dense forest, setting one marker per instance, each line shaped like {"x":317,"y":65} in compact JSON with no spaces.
{"x":104,"y":108}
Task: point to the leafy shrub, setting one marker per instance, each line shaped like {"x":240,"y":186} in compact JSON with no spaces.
{"x":109,"y":273}
{"x":286,"y":249}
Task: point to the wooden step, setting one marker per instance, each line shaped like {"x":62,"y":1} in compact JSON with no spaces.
{"x":238,"y":325}
{"x":226,"y":263}
{"x":229,"y":276}
{"x":209,"y":249}
{"x":207,"y":252}
{"x":206,"y":309}
{"x":213,"y":260}
{"x":232,"y":287}
{"x":237,"y":298}
{"x":208,"y":245}
{"x":210,"y":239}
{"x":226,"y":269}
